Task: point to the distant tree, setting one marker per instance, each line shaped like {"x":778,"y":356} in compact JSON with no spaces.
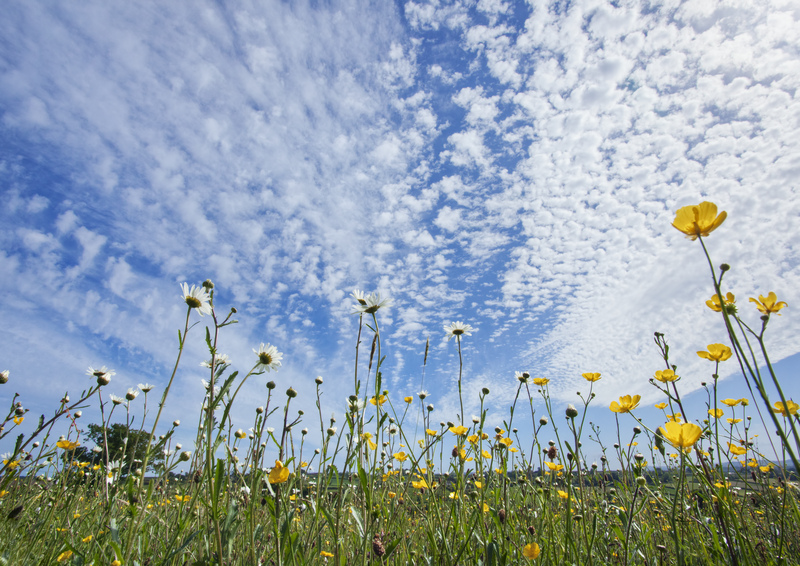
{"x":121,"y":441}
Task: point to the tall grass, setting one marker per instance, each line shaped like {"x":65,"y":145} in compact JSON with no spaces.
{"x":692,"y":490}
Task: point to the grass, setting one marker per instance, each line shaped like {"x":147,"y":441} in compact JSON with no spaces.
{"x":695,"y":490}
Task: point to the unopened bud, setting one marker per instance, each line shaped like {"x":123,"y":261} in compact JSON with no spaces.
{"x":572,"y":412}
{"x":291,"y":393}
{"x":271,"y":385}
{"x":318,"y":380}
{"x":185,"y":456}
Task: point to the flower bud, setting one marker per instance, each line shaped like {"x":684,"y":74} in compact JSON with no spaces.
{"x":271,"y":385}
{"x":103,"y":379}
{"x":637,"y":430}
{"x":207,"y":284}
{"x":485,"y":391}
{"x":19,"y":411}
{"x":185,"y":456}
{"x":291,"y":393}
{"x":572,"y":412}
{"x":176,"y":423}
{"x":724,"y":267}
{"x":641,"y":481}
{"x":543,"y":421}
{"x":304,"y":431}
{"x":4,"y":376}
{"x":78,"y":414}
{"x":430,"y":407}
{"x":318,"y":380}
{"x":178,"y":447}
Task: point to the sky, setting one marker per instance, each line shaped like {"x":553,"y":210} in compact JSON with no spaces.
{"x":512,"y":165}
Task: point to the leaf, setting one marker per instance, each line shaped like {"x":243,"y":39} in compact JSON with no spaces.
{"x":359,"y":523}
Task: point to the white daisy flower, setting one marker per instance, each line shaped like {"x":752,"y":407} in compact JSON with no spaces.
{"x":117,"y":400}
{"x":269,"y":358}
{"x":220,"y":359}
{"x":422,"y":394}
{"x":197,"y":298}
{"x":146,"y":387}
{"x":131,"y":394}
{"x":457,"y":329}
{"x":370,"y":303}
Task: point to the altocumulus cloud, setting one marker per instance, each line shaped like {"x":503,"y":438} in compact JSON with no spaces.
{"x":512,"y":165}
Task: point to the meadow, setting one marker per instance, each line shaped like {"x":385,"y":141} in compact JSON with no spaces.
{"x":691,"y":489}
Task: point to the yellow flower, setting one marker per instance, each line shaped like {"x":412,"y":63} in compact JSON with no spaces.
{"x":540,"y":381}
{"x":453,"y":495}
{"x":485,"y":508}
{"x":716,"y":413}
{"x":430,"y":432}
{"x":591,"y":376}
{"x":400,"y":456}
{"x":116,"y":563}
{"x":660,"y":405}
{"x":768,"y":305}
{"x":563,"y":494}
{"x":368,"y":437}
{"x":183,"y":498}
{"x":421,"y":484}
{"x":554,"y":467}
{"x":459,"y":430}
{"x":744,"y":402}
{"x":626,"y":404}
{"x":66,"y":555}
{"x":765,"y":469}
{"x":716,"y":353}
{"x":676,"y":418}
{"x":681,"y":435}
{"x":18,"y":420}
{"x":713,"y":302}
{"x":789,"y":409}
{"x":3,"y":493}
{"x":473,"y":438}
{"x":531,"y":551}
{"x":485,"y":454}
{"x":87,"y":539}
{"x":731,"y":402}
{"x":478,"y":484}
{"x":734,"y":421}
{"x":507,"y":441}
{"x":737,"y":450}
{"x":279,"y":474}
{"x":408,"y":399}
{"x":380,"y":400}
{"x":67,"y":445}
{"x":698,"y":220}
{"x":665,"y":376}
{"x":326,"y":554}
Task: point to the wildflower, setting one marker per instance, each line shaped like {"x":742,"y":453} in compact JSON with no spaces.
{"x":431,"y":432}
{"x":485,"y":454}
{"x":660,"y":405}
{"x":422,"y":394}
{"x":269,"y":358}
{"x":459,"y":430}
{"x":713,"y":302}
{"x":379,"y":400}
{"x":279,"y":474}
{"x":67,"y":445}
{"x":666,"y":376}
{"x":768,"y":305}
{"x":506,"y":442}
{"x":4,"y":376}
{"x":197,"y":298}
{"x":102,"y":375}
{"x":87,"y":539}
{"x":734,"y":421}
{"x":540,"y":381}
{"x":400,"y":456}
{"x":18,"y":420}
{"x":626,"y":404}
{"x":146,"y":387}
{"x":716,"y":353}
{"x":789,"y":409}
{"x":571,"y":411}
{"x":131,"y":394}
{"x":716,"y":413}
{"x":326,"y":554}
{"x":736,"y":450}
{"x":745,"y":402}
{"x":681,"y":435}
{"x":66,"y":555}
{"x":183,"y":498}
{"x":457,"y":329}
{"x":698,"y":220}
{"x":368,"y":437}
{"x":591,"y":376}
{"x":731,"y":402}
{"x":219,"y":359}
{"x":354,"y":404}
{"x":522,"y":376}
{"x":531,"y":551}
{"x":563,"y":494}
{"x":420,"y":484}
{"x":240,"y":434}
{"x":369,"y":304}
{"x":554,"y":467}
{"x":408,"y":399}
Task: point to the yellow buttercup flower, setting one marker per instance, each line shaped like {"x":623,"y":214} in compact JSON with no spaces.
{"x":531,"y":551}
{"x":666,"y":375}
{"x":716,"y":353}
{"x":87,"y":539}
{"x":716,"y":413}
{"x":326,"y":554}
{"x":698,"y":220}
{"x":540,"y":381}
{"x":368,"y":437}
{"x":714,"y":305}
{"x":67,"y":445}
{"x":18,"y":420}
{"x":731,"y":402}
{"x":734,"y":421}
{"x":66,"y":555}
{"x":421,"y":484}
{"x":737,"y":450}
{"x":408,"y":399}
{"x":554,"y":467}
{"x":183,"y":498}
{"x":591,"y":376}
{"x":681,"y":435}
{"x":459,"y":430}
{"x":789,"y":409}
{"x":485,"y":454}
{"x":626,"y":404}
{"x":676,"y":418}
{"x":563,"y":494}
{"x":769,"y":304}
{"x":278,"y":474}
{"x":380,"y":400}
{"x":431,"y":432}
{"x":400,"y":456}
{"x":506,"y":441}
{"x":660,"y":405}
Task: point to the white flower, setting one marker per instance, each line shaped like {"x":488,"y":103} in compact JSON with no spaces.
{"x":370,"y":303}
{"x":131,"y":394}
{"x":103,"y":375}
{"x":219,"y":359}
{"x":116,"y":400}
{"x":457,"y":329}
{"x":269,"y":358}
{"x":522,"y":376}
{"x":355,"y":405}
{"x":197,"y":298}
{"x":146,"y":387}
{"x":4,"y":376}
{"x":422,"y":394}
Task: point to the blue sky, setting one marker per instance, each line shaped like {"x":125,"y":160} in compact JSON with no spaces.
{"x":512,"y":165}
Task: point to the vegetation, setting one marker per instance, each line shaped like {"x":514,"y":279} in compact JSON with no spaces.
{"x":695,"y":489}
